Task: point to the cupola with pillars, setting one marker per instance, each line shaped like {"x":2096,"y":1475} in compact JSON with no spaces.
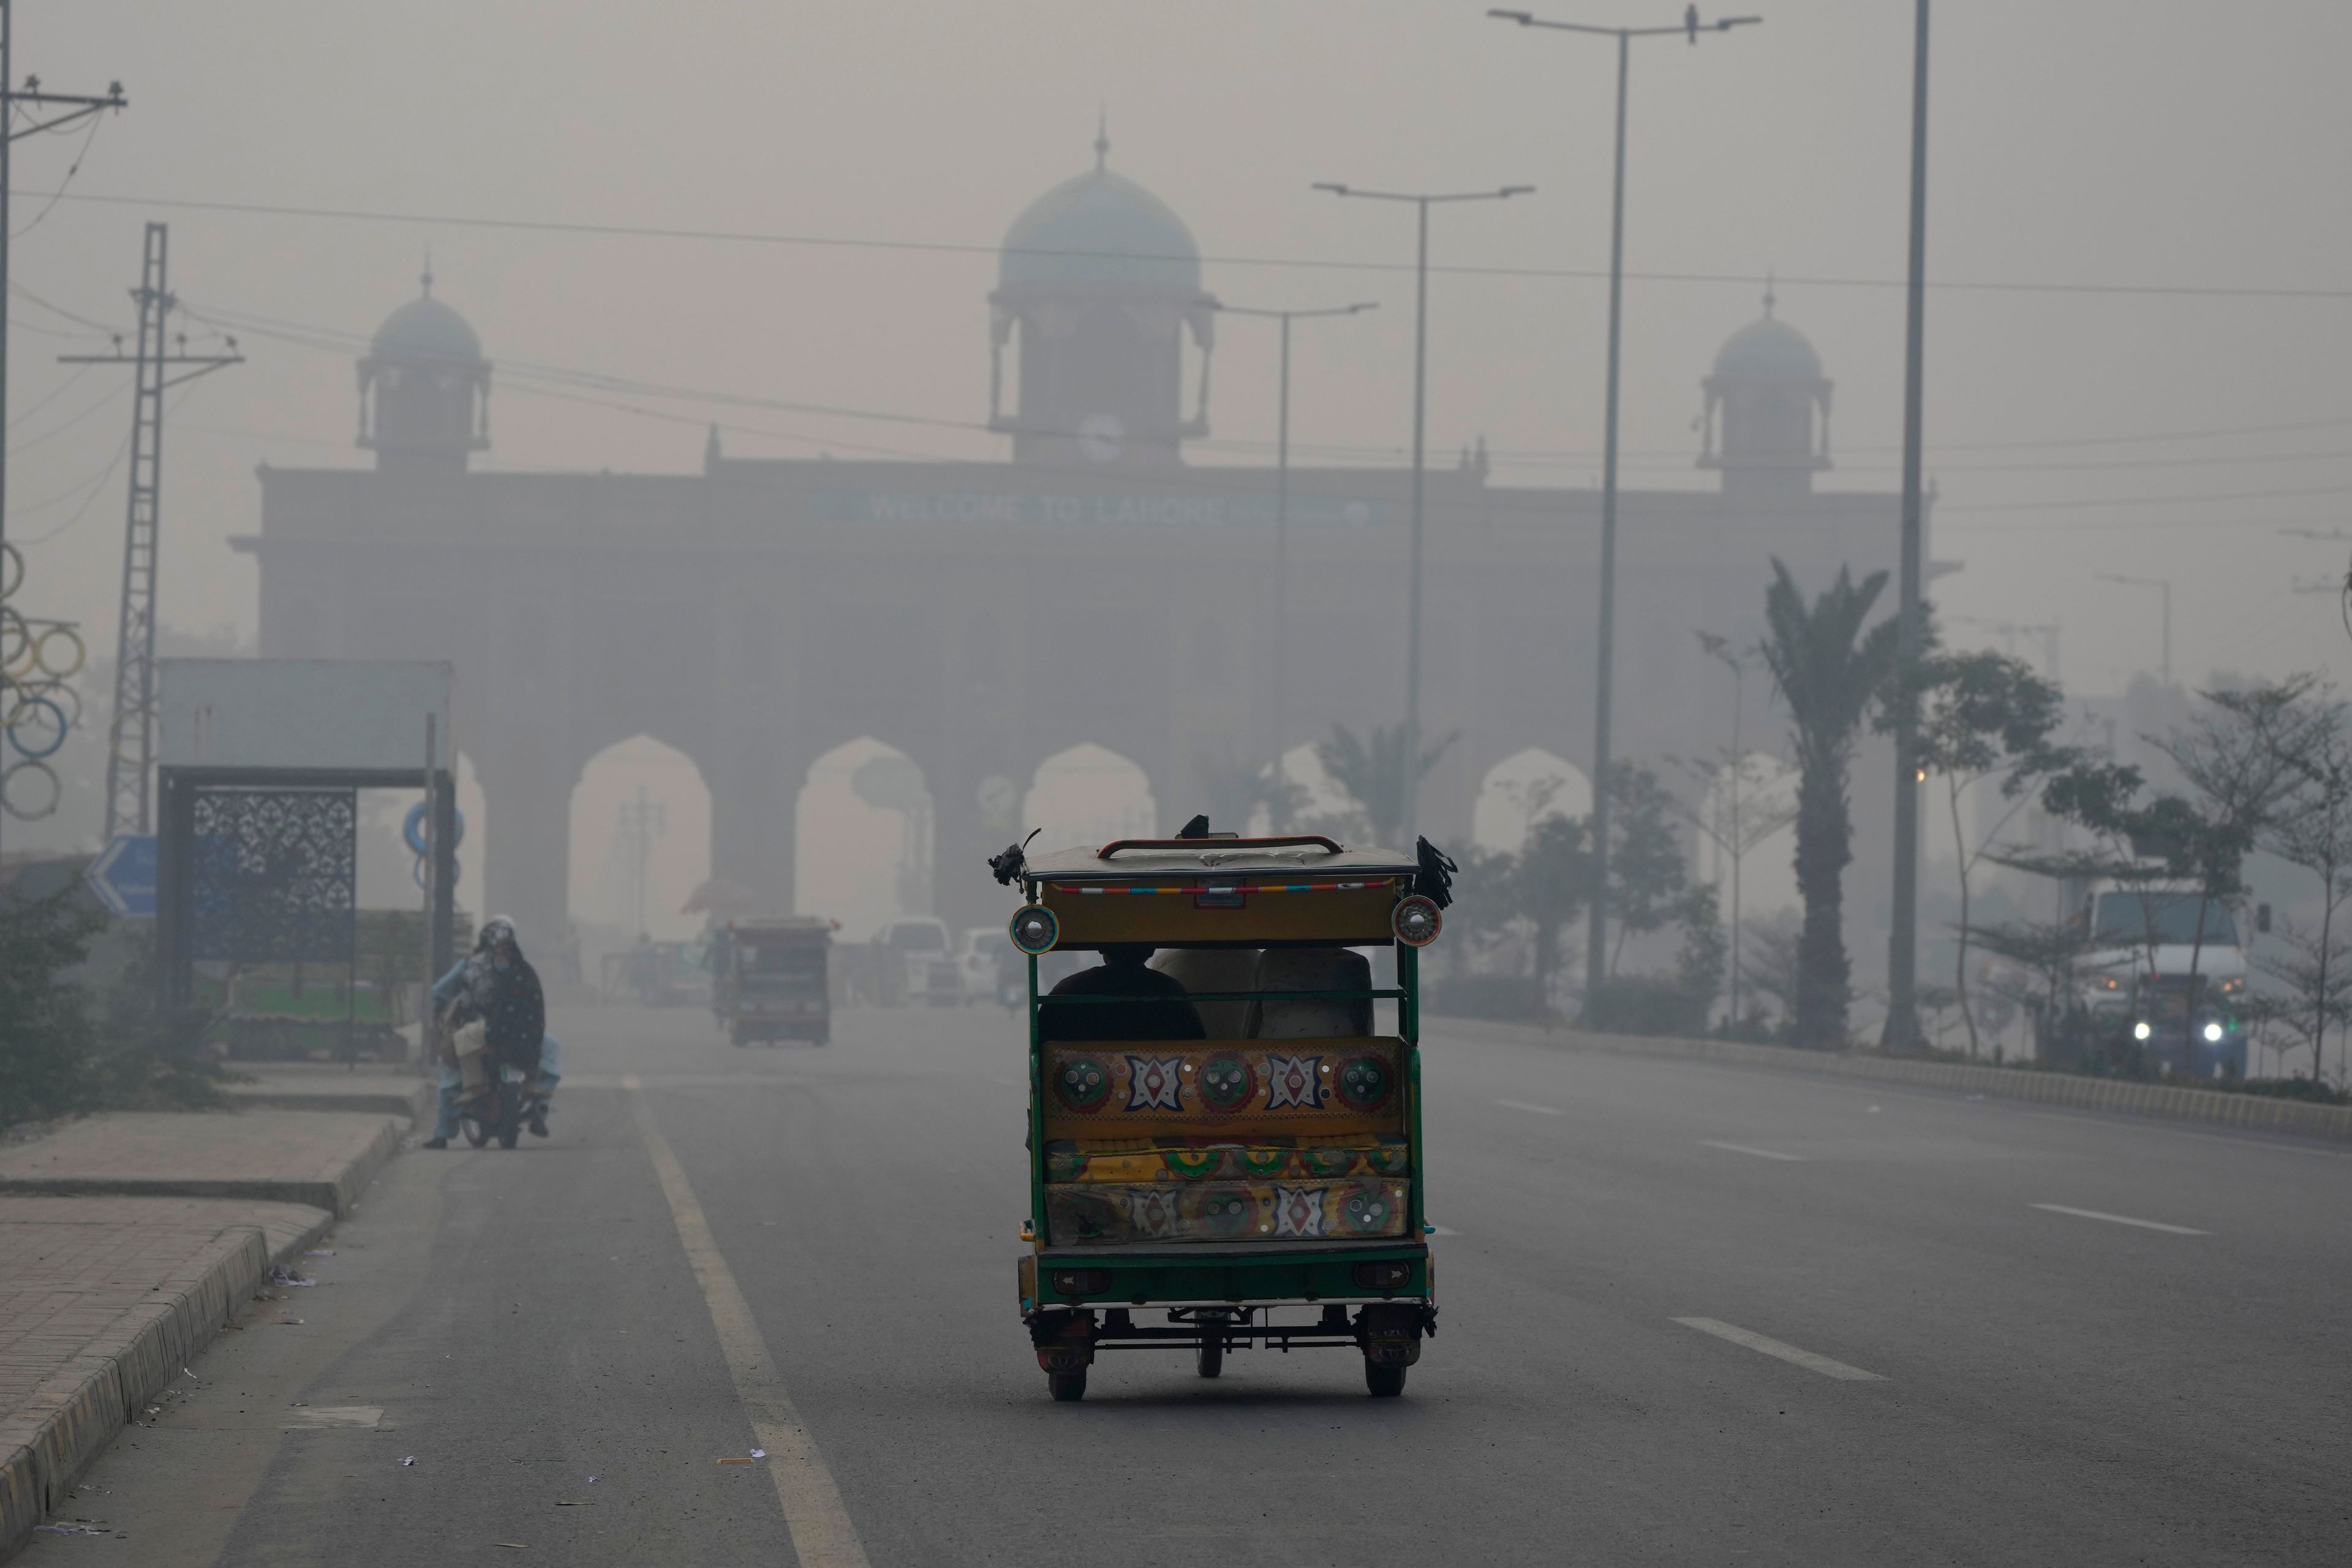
{"x":424,"y":389}
{"x":1762,"y":400}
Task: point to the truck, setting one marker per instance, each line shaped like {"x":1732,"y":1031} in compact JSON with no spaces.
{"x":2166,"y":966}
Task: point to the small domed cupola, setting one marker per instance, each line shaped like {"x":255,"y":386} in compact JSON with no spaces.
{"x":424,"y":389}
{"x":1760,"y":402}
{"x":1101,"y":281}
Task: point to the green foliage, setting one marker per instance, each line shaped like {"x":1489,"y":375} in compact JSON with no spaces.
{"x":1236,"y":789}
{"x":1648,"y":876}
{"x":46,"y":1034}
{"x":1829,"y":669}
{"x":1552,"y":885}
{"x":1378,"y":773}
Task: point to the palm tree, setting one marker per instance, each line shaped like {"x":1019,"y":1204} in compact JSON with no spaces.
{"x":1373,"y":775}
{"x":1829,"y":670}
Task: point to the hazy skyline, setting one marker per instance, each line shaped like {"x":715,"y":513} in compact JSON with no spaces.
{"x":2067,"y":150}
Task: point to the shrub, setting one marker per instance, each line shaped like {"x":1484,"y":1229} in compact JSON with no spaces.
{"x":45,"y":1035}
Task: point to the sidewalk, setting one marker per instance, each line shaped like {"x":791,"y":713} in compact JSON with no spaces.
{"x":320,"y":1158}
{"x":2163,"y":1101}
{"x":126,"y":1241}
{"x":319,"y":1086}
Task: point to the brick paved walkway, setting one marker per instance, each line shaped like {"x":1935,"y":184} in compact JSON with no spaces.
{"x":81,"y":1275}
{"x":320,"y":1158}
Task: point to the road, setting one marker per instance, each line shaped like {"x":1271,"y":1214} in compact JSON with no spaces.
{"x":1691,"y":1314}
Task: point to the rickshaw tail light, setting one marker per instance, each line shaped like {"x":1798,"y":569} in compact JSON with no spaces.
{"x":1035,"y":930}
{"x":1082,"y":1281}
{"x":1416,"y":921}
{"x":1389,"y":1276}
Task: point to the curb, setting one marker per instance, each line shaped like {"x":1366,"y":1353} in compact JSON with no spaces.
{"x":77,"y":1410}
{"x":2164,"y":1102}
{"x":416,"y":1104}
{"x":335,"y":1191}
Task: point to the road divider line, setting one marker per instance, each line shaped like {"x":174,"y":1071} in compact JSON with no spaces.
{"x":1745,"y":1149}
{"x":823,"y":1535}
{"x":2120,"y":1219}
{"x":1775,"y":1348}
{"x":1523,"y":1105}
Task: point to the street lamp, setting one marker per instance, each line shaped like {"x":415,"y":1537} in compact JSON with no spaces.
{"x":1421,"y":201}
{"x":1282,"y":493}
{"x":2162,"y":586}
{"x":1596,"y":942}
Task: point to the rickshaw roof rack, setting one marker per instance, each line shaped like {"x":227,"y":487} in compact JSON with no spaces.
{"x":1127,"y":857}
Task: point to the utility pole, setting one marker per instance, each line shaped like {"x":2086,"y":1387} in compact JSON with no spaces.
{"x":1902,"y":1032}
{"x":131,"y":739}
{"x":1604,"y":664}
{"x":2164,"y":587}
{"x":641,"y":822}
{"x":1421,"y":202}
{"x":1282,"y":500}
{"x":47,"y":112}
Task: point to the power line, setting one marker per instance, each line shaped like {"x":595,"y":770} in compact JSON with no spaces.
{"x":959,"y":247}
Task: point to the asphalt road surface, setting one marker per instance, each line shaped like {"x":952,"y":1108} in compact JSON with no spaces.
{"x":1691,"y":1314}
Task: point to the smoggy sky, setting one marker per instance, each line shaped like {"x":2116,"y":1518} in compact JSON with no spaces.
{"x":2108,"y":149}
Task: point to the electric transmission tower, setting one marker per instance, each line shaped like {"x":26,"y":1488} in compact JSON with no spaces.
{"x":131,"y":739}
{"x":39,"y":112}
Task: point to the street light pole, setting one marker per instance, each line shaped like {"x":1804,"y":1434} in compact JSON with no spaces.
{"x":2164,"y":587}
{"x":1282,"y":500}
{"x":1596,"y":932}
{"x":1411,"y":782}
{"x":1902,"y":1031}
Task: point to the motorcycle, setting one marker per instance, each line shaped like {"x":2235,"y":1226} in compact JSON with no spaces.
{"x":501,"y":1110}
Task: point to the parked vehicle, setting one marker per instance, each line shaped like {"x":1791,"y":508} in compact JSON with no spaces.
{"x":989,"y":964}
{"x":1264,"y":1152}
{"x":909,"y":962}
{"x":2167,"y":965}
{"x":769,"y":979}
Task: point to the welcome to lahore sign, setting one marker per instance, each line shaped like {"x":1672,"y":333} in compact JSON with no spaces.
{"x":1109,"y":510}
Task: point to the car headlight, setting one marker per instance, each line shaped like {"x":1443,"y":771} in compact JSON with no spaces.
{"x":2142,"y":1030}
{"x":2213,"y":1034}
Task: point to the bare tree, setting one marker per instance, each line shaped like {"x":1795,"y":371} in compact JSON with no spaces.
{"x":2314,"y":831}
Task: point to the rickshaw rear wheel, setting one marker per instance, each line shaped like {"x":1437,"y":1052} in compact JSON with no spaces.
{"x":1212,"y":1353}
{"x":1068,"y":1387}
{"x":1385,"y":1382}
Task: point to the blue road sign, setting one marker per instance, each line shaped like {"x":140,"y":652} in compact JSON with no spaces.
{"x":123,"y":875}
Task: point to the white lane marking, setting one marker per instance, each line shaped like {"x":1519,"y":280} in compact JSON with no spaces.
{"x":1744,"y":1149}
{"x":2120,"y":1219}
{"x":823,"y":1536}
{"x":367,"y":1418}
{"x":1523,"y":1105}
{"x":1790,"y":1353}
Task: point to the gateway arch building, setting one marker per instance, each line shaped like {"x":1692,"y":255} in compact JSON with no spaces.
{"x":982,"y":616}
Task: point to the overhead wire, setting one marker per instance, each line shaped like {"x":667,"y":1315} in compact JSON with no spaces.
{"x":753,"y":237}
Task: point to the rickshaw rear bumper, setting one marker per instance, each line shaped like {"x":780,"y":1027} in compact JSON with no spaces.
{"x":1210,"y":1276}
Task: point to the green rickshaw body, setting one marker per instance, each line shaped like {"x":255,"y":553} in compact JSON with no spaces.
{"x":769,"y":979}
{"x":1274,"y":1161}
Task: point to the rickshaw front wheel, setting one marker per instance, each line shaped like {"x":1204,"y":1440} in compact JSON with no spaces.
{"x":1213,"y":1352}
{"x":1385,"y":1382}
{"x":1068,"y":1387}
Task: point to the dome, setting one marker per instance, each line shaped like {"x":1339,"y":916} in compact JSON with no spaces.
{"x":1768,"y":347}
{"x":1101,"y":229}
{"x":425,"y":329}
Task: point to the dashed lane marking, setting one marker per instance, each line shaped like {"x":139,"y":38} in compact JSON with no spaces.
{"x":1745,"y":1149}
{"x":1776,"y":1349}
{"x":823,"y":1535}
{"x":1523,"y":1105}
{"x":2120,"y":1219}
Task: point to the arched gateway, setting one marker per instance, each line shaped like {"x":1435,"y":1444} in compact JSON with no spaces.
{"x":981,"y":617}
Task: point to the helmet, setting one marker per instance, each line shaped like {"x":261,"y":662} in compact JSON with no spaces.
{"x":497,"y":931}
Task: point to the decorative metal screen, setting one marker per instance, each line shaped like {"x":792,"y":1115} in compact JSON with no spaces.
{"x":273,"y":875}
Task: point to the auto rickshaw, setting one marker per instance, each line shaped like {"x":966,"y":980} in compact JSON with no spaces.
{"x":769,"y":980}
{"x":1260,"y":1186}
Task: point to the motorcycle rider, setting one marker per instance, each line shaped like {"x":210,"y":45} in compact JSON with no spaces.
{"x":492,"y":1013}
